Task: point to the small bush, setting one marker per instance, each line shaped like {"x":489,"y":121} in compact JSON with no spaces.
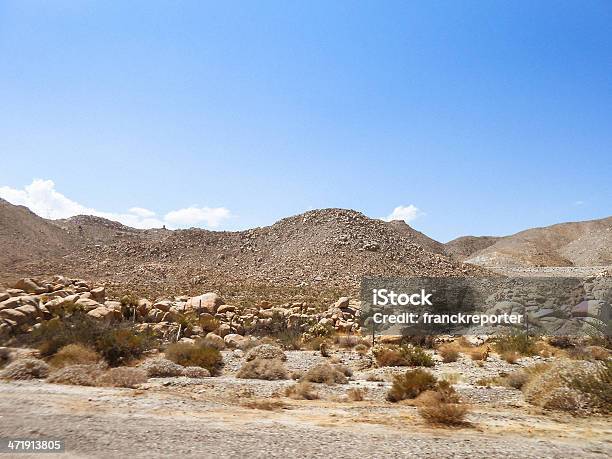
{"x":598,"y":352}
{"x":302,"y":391}
{"x":438,"y":412}
{"x":161,"y":368}
{"x":480,"y":355}
{"x":347,"y":341}
{"x":403,"y":356}
{"x":56,"y":333}
{"x":521,"y":343}
{"x":74,"y":354}
{"x":26,"y":368}
{"x":361,"y":349}
{"x":193,"y":355}
{"x":5,"y":356}
{"x":268,"y":369}
{"x":265,"y":351}
{"x":568,"y":385}
{"x":78,"y":375}
{"x":411,"y":384}
{"x":357,"y":394}
{"x":121,"y":345}
{"x":122,"y":377}
{"x":425,"y":341}
{"x":561,"y":342}
{"x":196,"y":372}
{"x":326,"y":373}
{"x":448,"y":353}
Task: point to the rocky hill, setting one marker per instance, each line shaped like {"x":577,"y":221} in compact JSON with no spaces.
{"x":465,"y":246}
{"x":586,"y":243}
{"x":328,"y":249}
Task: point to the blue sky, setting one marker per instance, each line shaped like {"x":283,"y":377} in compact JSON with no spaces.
{"x":489,"y":117}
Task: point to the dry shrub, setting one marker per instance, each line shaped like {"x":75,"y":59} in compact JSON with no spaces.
{"x":361,"y":349}
{"x":324,"y":349}
{"x":451,"y":378}
{"x":356,"y":394}
{"x":448,"y":353}
{"x":570,"y":385}
{"x":196,"y":372}
{"x":269,"y":369}
{"x":373,"y":377}
{"x":411,"y":384}
{"x":314,"y":344}
{"x":347,"y":341}
{"x":121,"y":345}
{"x":208,"y":323}
{"x":74,"y":354}
{"x":561,"y":342}
{"x":26,"y":368}
{"x":479,"y":354}
{"x":78,"y":375}
{"x":425,"y":341}
{"x":209,"y":342}
{"x":265,"y":404}
{"x":302,"y":391}
{"x":122,"y":377}
{"x":195,"y":355}
{"x":438,"y":412}
{"x":265,"y":351}
{"x":510,"y":357}
{"x":326,"y":373}
{"x":161,"y":368}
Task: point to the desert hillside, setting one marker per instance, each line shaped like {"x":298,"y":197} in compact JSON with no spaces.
{"x":586,"y":243}
{"x":328,"y":249}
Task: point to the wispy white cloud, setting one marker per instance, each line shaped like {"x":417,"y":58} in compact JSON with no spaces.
{"x":407,"y":213}
{"x":43,"y":199}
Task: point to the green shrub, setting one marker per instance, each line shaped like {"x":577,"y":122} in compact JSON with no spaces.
{"x":56,"y":333}
{"x":195,"y":355}
{"x":403,"y":356}
{"x":121,"y":345}
{"x":520,"y":343}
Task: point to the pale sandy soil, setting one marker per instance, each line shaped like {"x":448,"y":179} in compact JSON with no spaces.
{"x":179,"y":417}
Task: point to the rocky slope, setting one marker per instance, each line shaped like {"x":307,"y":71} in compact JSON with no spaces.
{"x":586,"y":243}
{"x":328,"y":249}
{"x":465,"y":246}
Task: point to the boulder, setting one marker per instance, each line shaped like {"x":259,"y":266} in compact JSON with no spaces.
{"x":215,"y":340}
{"x":208,"y":302}
{"x":87,"y":304}
{"x":4,"y":296}
{"x":223,"y":330}
{"x":163,"y":305}
{"x":103,"y":314}
{"x":30,"y":286}
{"x":98,"y":294}
{"x":342,"y":302}
{"x":234,"y":340}
{"x":56,"y":305}
{"x":265,"y":305}
{"x":13,"y":315}
{"x":226,"y":308}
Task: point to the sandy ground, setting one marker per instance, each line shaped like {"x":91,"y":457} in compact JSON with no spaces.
{"x":180,"y":417}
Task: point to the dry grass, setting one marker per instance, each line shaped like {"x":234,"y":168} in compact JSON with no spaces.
{"x":194,"y":355}
{"x":122,"y":377}
{"x":510,"y":357}
{"x":361,"y":349}
{"x":520,"y":343}
{"x":74,"y":354}
{"x":265,"y":351}
{"x":268,"y":369}
{"x":26,"y":368}
{"x":302,"y":391}
{"x":357,"y":394}
{"x":598,"y":353}
{"x":479,"y":354}
{"x":265,"y":404}
{"x":348,"y":341}
{"x":326,"y":373}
